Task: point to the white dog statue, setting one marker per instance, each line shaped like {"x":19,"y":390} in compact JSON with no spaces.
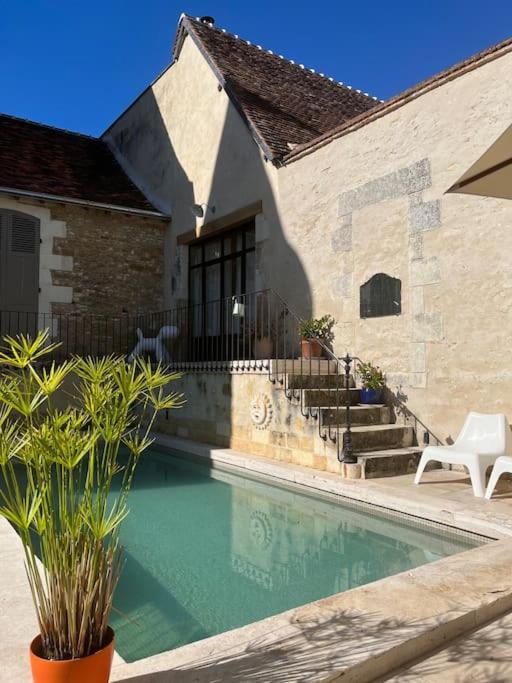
{"x":154,"y":344}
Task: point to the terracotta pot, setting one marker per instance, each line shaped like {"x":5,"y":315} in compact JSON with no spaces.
{"x":311,"y":348}
{"x":95,"y":667}
{"x":263,"y":348}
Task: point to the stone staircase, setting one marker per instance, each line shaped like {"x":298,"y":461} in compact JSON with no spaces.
{"x":383,"y":446}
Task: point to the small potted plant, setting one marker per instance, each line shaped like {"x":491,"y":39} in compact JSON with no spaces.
{"x":373,"y":382}
{"x":314,"y":333}
{"x":65,"y":476}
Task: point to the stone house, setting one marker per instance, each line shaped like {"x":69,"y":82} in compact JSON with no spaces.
{"x":77,"y":236}
{"x":240,"y":171}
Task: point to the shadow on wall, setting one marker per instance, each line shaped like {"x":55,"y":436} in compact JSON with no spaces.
{"x":244,"y":177}
{"x":238,"y":177}
{"x":147,"y":153}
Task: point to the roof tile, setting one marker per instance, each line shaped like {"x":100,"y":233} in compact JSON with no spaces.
{"x":287,"y":104}
{"x":44,"y":160}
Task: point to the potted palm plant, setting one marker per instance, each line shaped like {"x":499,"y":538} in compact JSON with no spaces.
{"x":65,"y":479}
{"x":373,"y":382}
{"x":313,"y":333}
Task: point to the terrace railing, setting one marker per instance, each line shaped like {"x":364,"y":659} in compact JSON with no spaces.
{"x":253,"y":331}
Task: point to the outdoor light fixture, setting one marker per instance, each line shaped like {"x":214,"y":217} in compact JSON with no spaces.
{"x":199,"y":210}
{"x":238,"y":308}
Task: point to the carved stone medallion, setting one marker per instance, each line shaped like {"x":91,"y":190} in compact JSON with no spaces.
{"x":261,"y":411}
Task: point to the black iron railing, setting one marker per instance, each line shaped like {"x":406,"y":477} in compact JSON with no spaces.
{"x":252,"y":331}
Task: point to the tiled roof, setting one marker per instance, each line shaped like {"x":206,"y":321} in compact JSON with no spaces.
{"x":284,"y":103}
{"x":465,"y":66}
{"x":46,"y":161}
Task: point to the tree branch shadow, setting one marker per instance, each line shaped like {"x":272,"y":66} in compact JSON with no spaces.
{"x":310,"y":648}
{"x":480,"y":656}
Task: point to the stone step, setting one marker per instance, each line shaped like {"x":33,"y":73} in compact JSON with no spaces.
{"x":359,"y":415}
{"x":381,"y":437}
{"x":390,"y":462}
{"x":299,"y":366}
{"x":326,"y":398}
{"x":318,"y":381}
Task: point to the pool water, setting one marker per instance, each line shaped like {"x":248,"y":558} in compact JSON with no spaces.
{"x":207,"y":551}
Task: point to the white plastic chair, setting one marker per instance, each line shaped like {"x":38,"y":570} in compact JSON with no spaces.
{"x":482,"y":440}
{"x":503,"y":465}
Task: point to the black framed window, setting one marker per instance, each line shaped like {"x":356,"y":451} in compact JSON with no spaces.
{"x":222,"y":266}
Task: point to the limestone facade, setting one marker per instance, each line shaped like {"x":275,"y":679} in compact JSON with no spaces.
{"x":371,"y":201}
{"x":375,"y":201}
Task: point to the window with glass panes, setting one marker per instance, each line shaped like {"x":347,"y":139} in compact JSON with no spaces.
{"x":222,"y":266}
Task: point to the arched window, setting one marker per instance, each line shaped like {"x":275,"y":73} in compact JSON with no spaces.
{"x":380,"y":296}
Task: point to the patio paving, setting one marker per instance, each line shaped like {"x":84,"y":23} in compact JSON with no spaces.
{"x":484,"y":656}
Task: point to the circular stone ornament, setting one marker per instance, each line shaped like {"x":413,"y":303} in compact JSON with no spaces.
{"x":261,"y":411}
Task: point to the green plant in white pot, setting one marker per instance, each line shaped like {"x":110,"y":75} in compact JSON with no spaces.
{"x":65,"y":479}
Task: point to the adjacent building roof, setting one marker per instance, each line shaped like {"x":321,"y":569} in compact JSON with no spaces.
{"x":284,"y":103}
{"x":39,"y":160}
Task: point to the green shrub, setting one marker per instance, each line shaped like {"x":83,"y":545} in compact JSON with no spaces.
{"x":317,"y":328}
{"x":65,"y":483}
{"x":371,"y":376}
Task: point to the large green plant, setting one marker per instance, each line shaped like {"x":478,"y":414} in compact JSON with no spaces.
{"x":317,"y":328}
{"x":66,"y":475}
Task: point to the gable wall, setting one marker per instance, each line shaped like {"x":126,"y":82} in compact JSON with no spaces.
{"x":183,"y":142}
{"x":374,"y":201}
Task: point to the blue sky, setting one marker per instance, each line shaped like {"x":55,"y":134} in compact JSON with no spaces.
{"x":79,"y":64}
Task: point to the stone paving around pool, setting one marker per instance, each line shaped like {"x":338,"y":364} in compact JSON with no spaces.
{"x":362,"y":634}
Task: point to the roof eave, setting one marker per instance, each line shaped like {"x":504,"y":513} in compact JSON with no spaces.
{"x":41,"y":196}
{"x":439,"y":79}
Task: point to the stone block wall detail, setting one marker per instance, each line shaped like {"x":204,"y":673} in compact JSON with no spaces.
{"x":423,"y":215}
{"x":118,"y":262}
{"x":261,"y":411}
{"x":219,"y":411}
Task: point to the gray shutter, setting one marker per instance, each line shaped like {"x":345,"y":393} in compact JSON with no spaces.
{"x":19,"y":271}
{"x":25,"y":232}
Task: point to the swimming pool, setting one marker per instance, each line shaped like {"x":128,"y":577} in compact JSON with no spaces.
{"x":208,"y":550}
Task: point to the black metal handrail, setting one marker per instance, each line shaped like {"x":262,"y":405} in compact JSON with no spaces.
{"x":400,"y":406}
{"x":255,"y":330}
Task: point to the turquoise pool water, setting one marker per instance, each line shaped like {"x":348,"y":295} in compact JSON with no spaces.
{"x":209,"y":550}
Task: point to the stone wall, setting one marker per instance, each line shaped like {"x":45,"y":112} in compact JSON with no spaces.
{"x":98,"y":271}
{"x":118,"y":261}
{"x":94,"y":262}
{"x":183,"y":142}
{"x":247,"y":412}
{"x":375,"y":201}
